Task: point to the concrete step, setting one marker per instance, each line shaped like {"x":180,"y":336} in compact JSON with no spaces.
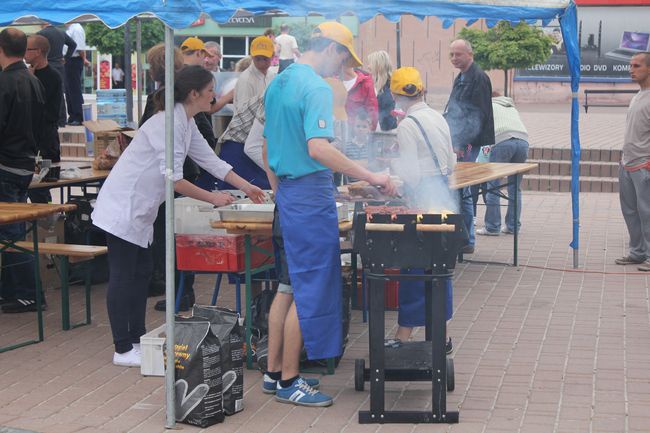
{"x":587,"y":168}
{"x":594,"y":155}
{"x":534,"y":182}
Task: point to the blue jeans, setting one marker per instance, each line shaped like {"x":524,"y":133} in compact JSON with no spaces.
{"x":467,"y":211}
{"x":17,"y":268}
{"x":511,"y":150}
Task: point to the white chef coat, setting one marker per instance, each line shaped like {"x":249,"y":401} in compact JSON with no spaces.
{"x":128,"y":201}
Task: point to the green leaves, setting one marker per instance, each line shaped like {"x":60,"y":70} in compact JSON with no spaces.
{"x":111,"y":41}
{"x":505,"y":47}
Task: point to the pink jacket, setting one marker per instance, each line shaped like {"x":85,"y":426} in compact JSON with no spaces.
{"x":362,"y":97}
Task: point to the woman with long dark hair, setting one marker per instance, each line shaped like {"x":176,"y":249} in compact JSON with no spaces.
{"x":129,"y":199}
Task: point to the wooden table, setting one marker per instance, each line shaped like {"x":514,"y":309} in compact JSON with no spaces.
{"x":89,"y":177}
{"x":478,"y":173}
{"x":12,"y":213}
{"x":259,"y":229}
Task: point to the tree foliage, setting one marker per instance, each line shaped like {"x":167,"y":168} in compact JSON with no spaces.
{"x":506,"y":47}
{"x":111,"y":41}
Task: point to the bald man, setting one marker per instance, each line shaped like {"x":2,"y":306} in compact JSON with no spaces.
{"x":470,"y":118}
{"x":48,"y":144}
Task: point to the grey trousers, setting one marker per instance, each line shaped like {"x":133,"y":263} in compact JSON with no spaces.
{"x":635,"y":204}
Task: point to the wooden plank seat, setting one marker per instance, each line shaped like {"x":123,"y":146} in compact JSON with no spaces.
{"x":69,"y":253}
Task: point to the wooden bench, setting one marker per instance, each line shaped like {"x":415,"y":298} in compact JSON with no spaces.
{"x":606,"y":92}
{"x":69,"y":253}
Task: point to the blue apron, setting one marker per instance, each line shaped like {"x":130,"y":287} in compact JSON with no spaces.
{"x":411,"y":293}
{"x":309,"y":224}
{"x":233,"y":153}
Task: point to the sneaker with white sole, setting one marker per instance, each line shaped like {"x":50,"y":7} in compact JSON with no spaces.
{"x":507,"y":231}
{"x":269,"y":386}
{"x":132,"y":358}
{"x":300,"y":393}
{"x":485,"y":232}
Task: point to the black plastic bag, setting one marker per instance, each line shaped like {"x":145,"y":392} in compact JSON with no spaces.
{"x":225,"y":325}
{"x":198,"y":373}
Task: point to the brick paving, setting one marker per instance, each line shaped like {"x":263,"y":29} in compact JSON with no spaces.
{"x":538,"y":348}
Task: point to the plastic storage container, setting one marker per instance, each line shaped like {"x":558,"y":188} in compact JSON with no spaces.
{"x":152,"y":348}
{"x":219,"y":252}
{"x":193,"y":216}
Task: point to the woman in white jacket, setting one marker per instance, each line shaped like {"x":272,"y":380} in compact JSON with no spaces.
{"x":129,"y":199}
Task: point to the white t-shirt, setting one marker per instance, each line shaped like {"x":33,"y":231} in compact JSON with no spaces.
{"x":118,"y":74}
{"x":287,"y":44}
{"x":77,"y":33}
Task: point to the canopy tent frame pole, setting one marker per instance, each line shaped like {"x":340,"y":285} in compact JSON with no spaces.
{"x":138,"y":61}
{"x":569,"y":25}
{"x":169,"y":228}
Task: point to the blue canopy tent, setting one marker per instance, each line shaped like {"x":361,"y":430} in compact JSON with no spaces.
{"x":178,"y":14}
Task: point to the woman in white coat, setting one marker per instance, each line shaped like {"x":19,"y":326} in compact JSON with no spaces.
{"x":129,"y":199}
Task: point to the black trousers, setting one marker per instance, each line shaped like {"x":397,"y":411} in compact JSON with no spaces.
{"x":73,"y":97}
{"x":130,"y":268}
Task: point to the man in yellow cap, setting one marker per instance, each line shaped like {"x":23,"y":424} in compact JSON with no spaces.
{"x":248,"y":96}
{"x":426,"y":159}
{"x":193,"y":50}
{"x":299,"y":160}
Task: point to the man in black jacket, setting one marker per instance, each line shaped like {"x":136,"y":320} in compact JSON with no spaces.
{"x":47,"y":133}
{"x":21,"y":106}
{"x":57,"y":39}
{"x":470,"y":119}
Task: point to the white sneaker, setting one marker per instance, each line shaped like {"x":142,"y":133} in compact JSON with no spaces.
{"x":485,"y":232}
{"x":136,"y":347}
{"x":132,"y":358}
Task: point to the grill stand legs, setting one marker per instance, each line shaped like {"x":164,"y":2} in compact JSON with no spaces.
{"x":435,"y":334}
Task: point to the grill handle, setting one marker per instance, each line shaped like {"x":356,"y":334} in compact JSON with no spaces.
{"x":378,"y":227}
{"x":435,"y":227}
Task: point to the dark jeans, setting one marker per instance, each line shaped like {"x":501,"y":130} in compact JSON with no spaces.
{"x":17,"y":268}
{"x":130,"y":269}
{"x":73,"y":70}
{"x":511,"y":150}
{"x":60,"y":68}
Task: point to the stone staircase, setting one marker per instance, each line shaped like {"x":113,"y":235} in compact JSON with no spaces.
{"x":598,"y":170}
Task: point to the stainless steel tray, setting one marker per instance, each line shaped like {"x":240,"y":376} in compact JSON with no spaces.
{"x":247,"y":213}
{"x":261,"y":213}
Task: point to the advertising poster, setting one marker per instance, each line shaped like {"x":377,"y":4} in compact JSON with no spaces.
{"x":608,"y":38}
{"x":104,"y":66}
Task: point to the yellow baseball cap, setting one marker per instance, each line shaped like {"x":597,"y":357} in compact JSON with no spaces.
{"x":262,"y":46}
{"x":406,"y":81}
{"x":340,"y":96}
{"x":337,"y":32}
{"x":192,"y":44}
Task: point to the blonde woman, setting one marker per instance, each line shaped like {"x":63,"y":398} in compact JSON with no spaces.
{"x":380,"y":68}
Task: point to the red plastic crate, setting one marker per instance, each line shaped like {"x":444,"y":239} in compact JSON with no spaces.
{"x":219,"y":253}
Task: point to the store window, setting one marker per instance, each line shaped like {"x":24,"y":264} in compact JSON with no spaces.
{"x":233,"y":49}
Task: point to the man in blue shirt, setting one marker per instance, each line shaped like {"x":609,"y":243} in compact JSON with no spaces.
{"x":299,"y":160}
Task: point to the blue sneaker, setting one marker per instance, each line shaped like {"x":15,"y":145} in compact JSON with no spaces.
{"x":269,"y":386}
{"x":302,"y":394}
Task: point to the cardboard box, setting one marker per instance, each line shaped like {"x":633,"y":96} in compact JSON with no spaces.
{"x":105,"y":131}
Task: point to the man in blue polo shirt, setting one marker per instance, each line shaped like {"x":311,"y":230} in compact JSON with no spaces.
{"x":299,"y":160}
